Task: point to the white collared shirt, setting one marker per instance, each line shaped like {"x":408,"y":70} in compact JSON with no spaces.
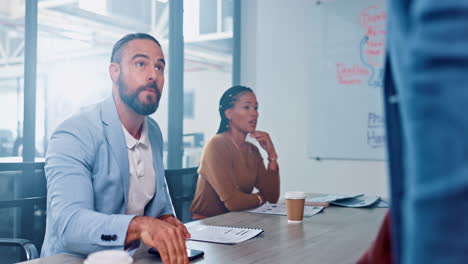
{"x":142,"y":174}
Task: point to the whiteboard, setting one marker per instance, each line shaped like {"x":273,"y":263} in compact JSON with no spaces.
{"x":345,"y":98}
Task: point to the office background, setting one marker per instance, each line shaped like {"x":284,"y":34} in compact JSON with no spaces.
{"x":276,"y":42}
{"x":274,"y":38}
{"x":74,"y":40}
{"x":54,"y":57}
{"x":277,"y":39}
{"x":73,"y":45}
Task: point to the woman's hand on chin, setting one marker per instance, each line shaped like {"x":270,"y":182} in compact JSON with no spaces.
{"x":265,"y":142}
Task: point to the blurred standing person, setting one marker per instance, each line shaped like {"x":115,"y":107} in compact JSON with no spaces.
{"x":426,"y":90}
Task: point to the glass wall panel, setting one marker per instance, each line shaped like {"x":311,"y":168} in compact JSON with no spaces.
{"x":208,"y":47}
{"x":11,"y":79}
{"x":75,"y":40}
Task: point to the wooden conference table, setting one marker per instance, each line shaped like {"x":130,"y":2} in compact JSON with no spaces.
{"x":337,"y":235}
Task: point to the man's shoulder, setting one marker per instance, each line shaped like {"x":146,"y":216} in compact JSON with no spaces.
{"x":78,"y":135}
{"x":152,"y":124}
{"x":153,"y":128}
{"x":87,"y":118}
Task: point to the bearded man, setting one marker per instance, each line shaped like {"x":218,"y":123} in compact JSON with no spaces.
{"x":105,"y":177}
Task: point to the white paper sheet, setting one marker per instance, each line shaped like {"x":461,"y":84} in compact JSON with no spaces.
{"x":280,"y":209}
{"x":222,"y":234}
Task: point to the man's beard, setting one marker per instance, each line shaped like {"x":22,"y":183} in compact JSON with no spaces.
{"x":132,"y":99}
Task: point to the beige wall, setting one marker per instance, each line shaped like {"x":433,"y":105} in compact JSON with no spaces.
{"x":276,"y":40}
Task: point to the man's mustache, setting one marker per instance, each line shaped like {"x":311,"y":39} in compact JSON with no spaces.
{"x":151,"y":85}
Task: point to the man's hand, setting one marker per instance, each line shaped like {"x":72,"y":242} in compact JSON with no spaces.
{"x":168,"y":239}
{"x":176,"y":222}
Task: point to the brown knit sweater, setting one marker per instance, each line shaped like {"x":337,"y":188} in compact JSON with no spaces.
{"x":227,"y":176}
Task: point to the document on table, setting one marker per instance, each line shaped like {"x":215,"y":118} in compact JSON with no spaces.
{"x":331,"y":198}
{"x":361,"y":201}
{"x":280,"y":209}
{"x":381,"y":204}
{"x":222,"y":234}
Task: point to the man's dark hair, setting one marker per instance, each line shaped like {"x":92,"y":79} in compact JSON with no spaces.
{"x":116,"y":50}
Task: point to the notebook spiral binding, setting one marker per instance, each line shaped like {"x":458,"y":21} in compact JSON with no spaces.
{"x":235,"y":227}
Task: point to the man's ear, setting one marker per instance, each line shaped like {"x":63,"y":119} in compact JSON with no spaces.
{"x":114,"y":71}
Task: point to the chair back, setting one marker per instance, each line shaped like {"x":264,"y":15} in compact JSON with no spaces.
{"x":182,"y":184}
{"x":23,"y":209}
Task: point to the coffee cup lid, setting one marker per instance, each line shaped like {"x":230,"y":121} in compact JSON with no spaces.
{"x":295,"y":195}
{"x":108,"y":257}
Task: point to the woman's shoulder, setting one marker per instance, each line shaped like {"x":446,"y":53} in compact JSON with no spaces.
{"x":217,"y":141}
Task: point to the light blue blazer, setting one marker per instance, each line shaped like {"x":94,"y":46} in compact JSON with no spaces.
{"x":87,"y":174}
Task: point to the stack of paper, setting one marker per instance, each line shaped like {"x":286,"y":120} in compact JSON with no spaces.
{"x":222,"y":234}
{"x":349,"y":201}
{"x":280,"y":209}
{"x":327,"y":198}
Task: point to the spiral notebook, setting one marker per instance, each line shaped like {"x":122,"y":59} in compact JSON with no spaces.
{"x":222,"y":234}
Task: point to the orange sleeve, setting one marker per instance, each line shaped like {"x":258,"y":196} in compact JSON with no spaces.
{"x":268,"y":181}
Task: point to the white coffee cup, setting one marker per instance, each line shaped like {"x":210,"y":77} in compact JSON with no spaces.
{"x":295,"y":202}
{"x":109,"y":257}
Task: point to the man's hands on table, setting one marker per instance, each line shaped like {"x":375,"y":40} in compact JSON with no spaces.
{"x":166,"y":234}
